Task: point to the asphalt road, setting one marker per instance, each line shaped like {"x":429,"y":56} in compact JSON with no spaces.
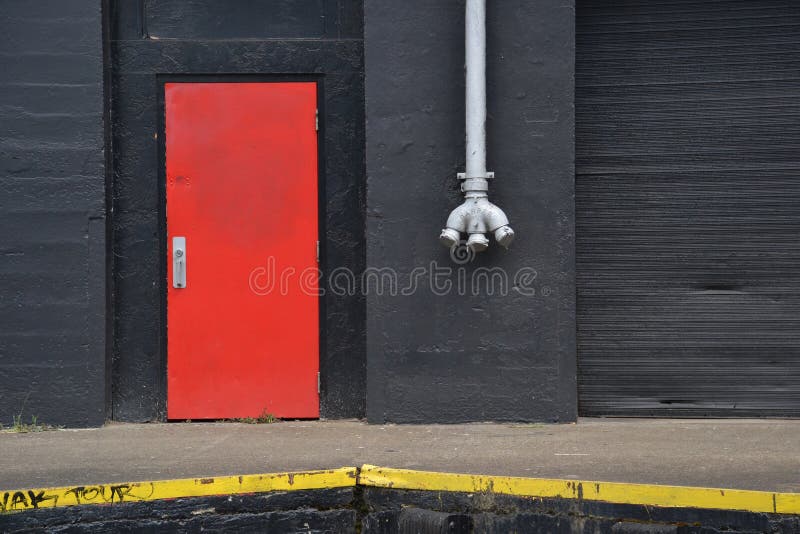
{"x":745,"y":454}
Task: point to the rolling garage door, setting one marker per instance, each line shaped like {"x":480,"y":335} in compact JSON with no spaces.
{"x":688,"y":207}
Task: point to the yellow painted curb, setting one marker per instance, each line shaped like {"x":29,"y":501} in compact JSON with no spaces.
{"x":613,"y":492}
{"x":385,"y":477}
{"x":19,"y":500}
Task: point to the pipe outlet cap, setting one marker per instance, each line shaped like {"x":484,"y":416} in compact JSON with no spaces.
{"x":449,"y":237}
{"x":477,"y":242}
{"x":504,"y":236}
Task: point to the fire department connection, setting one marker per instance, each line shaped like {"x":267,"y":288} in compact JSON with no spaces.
{"x":476,"y":216}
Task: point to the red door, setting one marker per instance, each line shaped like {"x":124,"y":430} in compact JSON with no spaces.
{"x":242,"y":323}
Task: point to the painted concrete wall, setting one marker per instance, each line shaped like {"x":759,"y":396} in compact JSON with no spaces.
{"x":440,"y":354}
{"x":52,"y":213}
{"x":431,"y":357}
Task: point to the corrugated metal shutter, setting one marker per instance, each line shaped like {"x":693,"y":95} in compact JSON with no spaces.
{"x":688,"y":207}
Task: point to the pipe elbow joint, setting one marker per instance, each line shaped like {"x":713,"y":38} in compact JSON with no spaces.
{"x":497,"y":222}
{"x":493,"y":216}
{"x":456,"y":224}
{"x":458,"y":220}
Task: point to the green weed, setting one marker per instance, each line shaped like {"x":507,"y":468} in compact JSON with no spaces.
{"x":19,"y":426}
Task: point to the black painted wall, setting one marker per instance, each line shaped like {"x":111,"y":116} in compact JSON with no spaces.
{"x":475,"y":356}
{"x":52,"y":213}
{"x":155,"y":40}
{"x":431,"y":358}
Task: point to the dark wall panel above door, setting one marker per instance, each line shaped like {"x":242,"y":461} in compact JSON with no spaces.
{"x":241,"y":19}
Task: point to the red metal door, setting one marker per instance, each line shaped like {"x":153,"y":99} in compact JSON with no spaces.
{"x":241,"y":171}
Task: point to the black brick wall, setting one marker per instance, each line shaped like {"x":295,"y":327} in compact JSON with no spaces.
{"x":52,"y":212}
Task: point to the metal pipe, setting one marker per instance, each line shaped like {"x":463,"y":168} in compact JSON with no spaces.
{"x":475,"y":64}
{"x":476,"y":215}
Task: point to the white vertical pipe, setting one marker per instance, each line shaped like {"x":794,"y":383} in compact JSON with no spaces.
{"x":475,"y":59}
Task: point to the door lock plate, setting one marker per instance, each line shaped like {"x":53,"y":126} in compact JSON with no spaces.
{"x":179,"y":262}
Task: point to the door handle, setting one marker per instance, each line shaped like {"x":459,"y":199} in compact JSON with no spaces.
{"x":179,"y":262}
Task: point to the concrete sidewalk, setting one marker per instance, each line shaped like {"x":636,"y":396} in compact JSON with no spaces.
{"x":742,"y":454}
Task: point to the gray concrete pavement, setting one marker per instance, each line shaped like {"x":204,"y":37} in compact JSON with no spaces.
{"x":746,"y":454}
